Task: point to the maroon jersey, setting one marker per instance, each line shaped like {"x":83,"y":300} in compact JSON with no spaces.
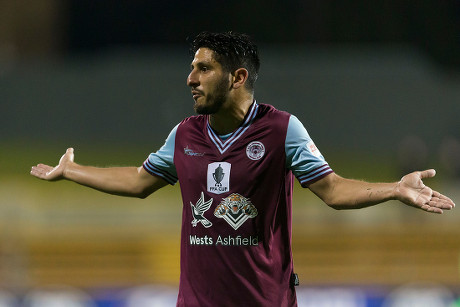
{"x":236,"y":230}
{"x":237,"y":192}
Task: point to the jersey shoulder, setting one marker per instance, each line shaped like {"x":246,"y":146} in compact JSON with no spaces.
{"x":272,"y":111}
{"x":274,"y":117}
{"x":194,"y":120}
{"x":192,"y":124}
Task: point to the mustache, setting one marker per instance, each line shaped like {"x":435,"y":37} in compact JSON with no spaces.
{"x":195,"y":91}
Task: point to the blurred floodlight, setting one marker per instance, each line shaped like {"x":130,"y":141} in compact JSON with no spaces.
{"x":151,"y":296}
{"x":7,"y":299}
{"x":330,"y":297}
{"x":420,"y":295}
{"x":58,"y":297}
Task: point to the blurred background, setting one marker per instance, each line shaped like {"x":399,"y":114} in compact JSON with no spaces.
{"x":376,"y":83}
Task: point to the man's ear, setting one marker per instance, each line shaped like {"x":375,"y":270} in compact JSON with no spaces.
{"x":239,"y":77}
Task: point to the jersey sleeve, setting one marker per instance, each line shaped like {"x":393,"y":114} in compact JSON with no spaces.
{"x":303,"y":158}
{"x":161,"y":163}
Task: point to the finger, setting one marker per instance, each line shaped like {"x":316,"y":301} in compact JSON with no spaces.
{"x":444,"y":198}
{"x":38,"y":172}
{"x":45,"y":167}
{"x":429,"y":173}
{"x":428,"y":208}
{"x":436,"y":203}
{"x":36,"y":169}
{"x":41,"y":170}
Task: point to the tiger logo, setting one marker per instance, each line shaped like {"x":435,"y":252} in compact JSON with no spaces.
{"x":235,"y":210}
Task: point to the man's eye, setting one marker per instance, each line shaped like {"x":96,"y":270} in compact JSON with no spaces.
{"x":204,"y":68}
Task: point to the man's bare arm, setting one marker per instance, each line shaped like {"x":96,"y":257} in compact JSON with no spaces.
{"x":124,"y":181}
{"x":342,"y":193}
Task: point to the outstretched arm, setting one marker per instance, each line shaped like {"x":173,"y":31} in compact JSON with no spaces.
{"x":124,"y":181}
{"x":342,"y":193}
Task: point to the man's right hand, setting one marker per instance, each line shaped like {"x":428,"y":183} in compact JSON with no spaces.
{"x":50,"y":173}
{"x":125,"y":181}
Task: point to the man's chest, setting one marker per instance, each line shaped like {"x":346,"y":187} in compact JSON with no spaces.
{"x":199,"y":160}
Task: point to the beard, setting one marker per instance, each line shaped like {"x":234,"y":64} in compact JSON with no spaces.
{"x":214,"y":100}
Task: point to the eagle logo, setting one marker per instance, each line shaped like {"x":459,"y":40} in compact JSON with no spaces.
{"x":199,"y":209}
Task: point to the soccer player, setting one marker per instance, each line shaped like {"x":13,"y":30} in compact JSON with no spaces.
{"x":236,"y":161}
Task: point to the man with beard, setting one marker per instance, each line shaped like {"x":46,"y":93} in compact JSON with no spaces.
{"x":236,"y":161}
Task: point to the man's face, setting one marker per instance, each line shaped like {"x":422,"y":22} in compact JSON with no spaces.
{"x":209,"y":83}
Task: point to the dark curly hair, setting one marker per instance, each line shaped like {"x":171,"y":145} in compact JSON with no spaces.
{"x":232,"y":50}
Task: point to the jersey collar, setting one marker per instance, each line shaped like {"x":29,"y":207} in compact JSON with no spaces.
{"x":223,"y":145}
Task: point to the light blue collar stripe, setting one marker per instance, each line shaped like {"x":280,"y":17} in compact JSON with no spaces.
{"x":223,"y":146}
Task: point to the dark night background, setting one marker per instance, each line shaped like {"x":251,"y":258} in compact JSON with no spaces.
{"x":376,"y":83}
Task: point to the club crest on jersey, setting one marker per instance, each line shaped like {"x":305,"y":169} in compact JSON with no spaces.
{"x":199,"y":209}
{"x":235,"y":210}
{"x":255,"y":150}
{"x":219,"y":177}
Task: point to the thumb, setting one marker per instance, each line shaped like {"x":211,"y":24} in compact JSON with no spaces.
{"x":70,"y":154}
{"x":67,"y":157}
{"x":429,"y":173}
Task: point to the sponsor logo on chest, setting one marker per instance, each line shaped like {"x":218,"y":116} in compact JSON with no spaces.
{"x":218,"y":179}
{"x":235,"y":210}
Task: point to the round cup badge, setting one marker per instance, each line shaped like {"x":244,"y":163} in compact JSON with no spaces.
{"x":255,"y":150}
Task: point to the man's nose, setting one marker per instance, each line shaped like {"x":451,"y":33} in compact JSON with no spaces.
{"x":192,"y":79}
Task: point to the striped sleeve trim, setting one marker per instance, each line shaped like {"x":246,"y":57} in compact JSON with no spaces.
{"x":314,"y":175}
{"x":153,"y":170}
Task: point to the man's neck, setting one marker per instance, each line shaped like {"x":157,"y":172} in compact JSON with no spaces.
{"x":230,"y":118}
